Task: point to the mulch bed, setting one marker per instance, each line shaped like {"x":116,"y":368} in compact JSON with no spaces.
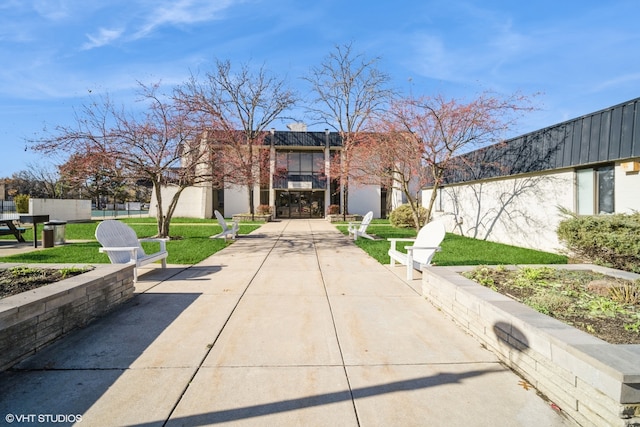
{"x":582,"y":299}
{"x":20,"y":279}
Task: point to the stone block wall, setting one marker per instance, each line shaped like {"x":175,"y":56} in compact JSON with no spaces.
{"x":33,"y":319}
{"x":591,"y":381}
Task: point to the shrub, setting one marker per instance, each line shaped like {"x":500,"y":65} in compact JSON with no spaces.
{"x":263,"y":210}
{"x":22,"y":203}
{"x":402,"y":216}
{"x":333,"y":210}
{"x":610,"y":240}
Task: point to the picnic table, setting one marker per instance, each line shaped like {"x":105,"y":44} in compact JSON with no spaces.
{"x":7,"y":227}
{"x":35,"y":220}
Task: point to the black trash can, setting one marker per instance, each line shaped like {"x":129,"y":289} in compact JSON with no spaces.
{"x":59,"y":230}
{"x":47,"y":235}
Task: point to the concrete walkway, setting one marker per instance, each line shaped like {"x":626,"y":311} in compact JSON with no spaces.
{"x":290,"y":326}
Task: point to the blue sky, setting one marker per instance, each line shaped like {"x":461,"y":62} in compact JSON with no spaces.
{"x":580,"y":55}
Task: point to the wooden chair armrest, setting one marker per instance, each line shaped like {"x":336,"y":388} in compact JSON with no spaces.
{"x":411,"y":248}
{"x":118,"y":249}
{"x":162,"y":240}
{"x":394,"y":240}
{"x":133,"y":251}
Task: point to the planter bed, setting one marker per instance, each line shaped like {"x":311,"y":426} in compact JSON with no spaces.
{"x":247,"y":218}
{"x":33,"y":319}
{"x":592,"y":381}
{"x":340,"y":218}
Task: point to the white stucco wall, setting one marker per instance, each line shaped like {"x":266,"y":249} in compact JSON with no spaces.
{"x":627,"y":190}
{"x":61,"y":209}
{"x":236,"y":200}
{"x":363,"y":199}
{"x":194,"y":202}
{"x":519,"y":211}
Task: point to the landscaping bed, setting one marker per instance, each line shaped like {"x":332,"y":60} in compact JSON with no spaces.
{"x":23,"y":278}
{"x":34,"y":318}
{"x":591,"y":380}
{"x":603,"y":306}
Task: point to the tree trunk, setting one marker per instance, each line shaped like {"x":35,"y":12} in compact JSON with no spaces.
{"x":251,"y":204}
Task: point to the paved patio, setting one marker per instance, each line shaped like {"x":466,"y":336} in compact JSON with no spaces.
{"x":292,"y":325}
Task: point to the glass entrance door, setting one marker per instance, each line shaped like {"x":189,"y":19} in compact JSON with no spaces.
{"x":300,"y":204}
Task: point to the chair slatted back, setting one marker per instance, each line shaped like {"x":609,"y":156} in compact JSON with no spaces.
{"x":115,"y":234}
{"x":430,"y":235}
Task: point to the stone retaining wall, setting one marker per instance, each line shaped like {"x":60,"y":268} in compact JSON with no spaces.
{"x":340,"y":218}
{"x":248,"y":218}
{"x":593,"y":382}
{"x":33,"y":319}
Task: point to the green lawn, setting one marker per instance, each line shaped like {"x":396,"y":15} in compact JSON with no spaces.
{"x":456,"y":250}
{"x":190,"y":242}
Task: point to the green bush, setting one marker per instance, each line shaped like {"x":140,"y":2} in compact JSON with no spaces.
{"x":402,"y":216}
{"x":263,"y":210}
{"x":610,"y":240}
{"x":333,"y":209}
{"x":22,"y":203}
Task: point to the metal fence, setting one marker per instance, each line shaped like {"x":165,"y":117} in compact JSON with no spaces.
{"x":117,"y":213}
{"x":7,"y":207}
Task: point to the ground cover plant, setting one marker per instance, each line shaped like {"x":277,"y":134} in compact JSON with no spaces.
{"x":609,"y":240}
{"x":19,"y":279}
{"x":456,"y":250}
{"x":190,"y":242}
{"x":605,"y":307}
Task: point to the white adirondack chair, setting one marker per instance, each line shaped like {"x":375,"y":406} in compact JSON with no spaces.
{"x":424,"y":247}
{"x":227,"y":231}
{"x":122,"y":246}
{"x":360,"y":228}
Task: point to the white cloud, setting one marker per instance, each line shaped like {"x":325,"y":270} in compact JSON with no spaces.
{"x":622,"y":80}
{"x":104,"y":37}
{"x":182,"y":12}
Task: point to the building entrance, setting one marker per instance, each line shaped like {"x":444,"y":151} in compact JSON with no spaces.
{"x":300,"y":204}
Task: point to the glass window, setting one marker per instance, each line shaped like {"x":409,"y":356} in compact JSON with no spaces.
{"x":605,"y":178}
{"x":306,"y":163}
{"x":281,"y":160}
{"x":585,"y":191}
{"x":294,"y":163}
{"x":595,"y":190}
{"x":318,"y":162}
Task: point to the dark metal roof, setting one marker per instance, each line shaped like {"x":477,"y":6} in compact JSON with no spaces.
{"x":608,"y":135}
{"x":304,"y":139}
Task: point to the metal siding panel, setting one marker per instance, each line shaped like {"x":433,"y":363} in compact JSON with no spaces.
{"x":516,"y":154}
{"x":558,"y":144}
{"x":568,"y":145}
{"x":542,"y":158}
{"x":626,"y":130}
{"x":564,"y":140}
{"x":615,"y":133}
{"x":635,"y":149}
{"x":576,"y":148}
{"x":583,"y":151}
{"x":605,"y":131}
{"x":594,"y":138}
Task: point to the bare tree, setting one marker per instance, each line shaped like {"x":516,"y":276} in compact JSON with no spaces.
{"x":420,"y":140}
{"x":156,"y":144}
{"x":236,"y":109}
{"x":348,"y":90}
{"x":93,"y":175}
{"x":451,"y":128}
{"x":38,"y":180}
